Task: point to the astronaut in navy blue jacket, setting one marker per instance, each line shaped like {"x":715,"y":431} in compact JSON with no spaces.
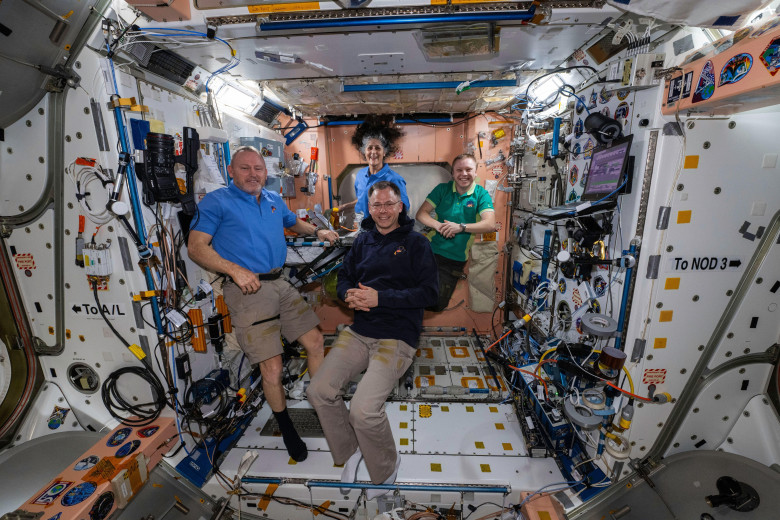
{"x":388,"y":277}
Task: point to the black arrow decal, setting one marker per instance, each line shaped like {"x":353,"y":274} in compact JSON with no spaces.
{"x":735,"y":263}
{"x":76,"y":308}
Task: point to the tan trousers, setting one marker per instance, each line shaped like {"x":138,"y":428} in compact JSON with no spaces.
{"x":365,"y":424}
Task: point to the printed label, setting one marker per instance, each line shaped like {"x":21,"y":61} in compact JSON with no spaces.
{"x":654,"y":376}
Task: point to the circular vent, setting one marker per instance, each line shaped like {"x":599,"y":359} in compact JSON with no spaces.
{"x":83,"y":378}
{"x":563,"y":314}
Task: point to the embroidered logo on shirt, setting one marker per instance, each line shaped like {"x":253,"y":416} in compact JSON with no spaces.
{"x":470,"y":204}
{"x":401,"y":250}
{"x":273,"y":209}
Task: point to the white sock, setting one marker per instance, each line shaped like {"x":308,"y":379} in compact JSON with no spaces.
{"x":350,"y":470}
{"x":374,"y":493}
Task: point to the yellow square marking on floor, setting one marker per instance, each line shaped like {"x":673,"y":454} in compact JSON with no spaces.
{"x":469,"y":408}
{"x":493,"y":409}
{"x":672,"y":284}
{"x":659,"y":343}
{"x":691,"y":162}
{"x":402,"y":408}
{"x":403,"y":425}
{"x":435,"y":467}
{"x":479,"y":445}
{"x":684,"y":217}
{"x":665,"y":316}
{"x":445,"y":408}
{"x":404,"y":442}
{"x":485,"y":468}
{"x":507,"y":446}
{"x":499,"y":426}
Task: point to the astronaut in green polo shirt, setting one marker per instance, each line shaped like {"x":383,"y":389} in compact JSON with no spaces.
{"x":463,"y":209}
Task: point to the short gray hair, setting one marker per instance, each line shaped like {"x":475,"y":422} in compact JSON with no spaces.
{"x":378,"y":137}
{"x":252,"y":149}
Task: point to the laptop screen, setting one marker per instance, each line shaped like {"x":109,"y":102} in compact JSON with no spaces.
{"x":606,"y":169}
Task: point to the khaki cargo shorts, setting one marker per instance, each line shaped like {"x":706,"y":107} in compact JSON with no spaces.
{"x":278,"y":302}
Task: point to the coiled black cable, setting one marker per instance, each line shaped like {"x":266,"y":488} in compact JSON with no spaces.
{"x":113,"y":400}
{"x":117,"y":404}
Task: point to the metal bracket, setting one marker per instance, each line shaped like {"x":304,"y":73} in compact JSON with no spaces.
{"x":42,"y":349}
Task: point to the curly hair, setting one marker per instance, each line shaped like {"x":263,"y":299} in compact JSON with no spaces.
{"x":377,"y":127}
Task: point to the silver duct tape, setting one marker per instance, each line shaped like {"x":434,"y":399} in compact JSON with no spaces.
{"x":580,"y":415}
{"x":599,"y":325}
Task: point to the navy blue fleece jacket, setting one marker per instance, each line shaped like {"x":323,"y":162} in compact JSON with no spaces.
{"x":401,"y":267}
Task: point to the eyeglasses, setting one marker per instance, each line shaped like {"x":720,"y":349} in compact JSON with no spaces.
{"x":387,"y":205}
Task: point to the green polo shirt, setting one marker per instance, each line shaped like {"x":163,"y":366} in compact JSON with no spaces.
{"x":463,"y":209}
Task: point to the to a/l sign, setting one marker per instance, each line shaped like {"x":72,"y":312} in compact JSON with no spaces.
{"x":704,"y":263}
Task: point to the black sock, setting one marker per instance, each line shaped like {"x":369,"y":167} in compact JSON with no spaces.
{"x":292,"y":441}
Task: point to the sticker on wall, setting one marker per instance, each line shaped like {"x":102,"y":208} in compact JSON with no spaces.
{"x":51,"y":494}
{"x":675,"y":89}
{"x":24,"y":261}
{"x":587,"y":151}
{"x":605,"y":111}
{"x":127,"y":449}
{"x":56,"y":517}
{"x":622,"y":94}
{"x":687,"y":84}
{"x":579,"y":107}
{"x":579,"y":127}
{"x":147,"y":432}
{"x":79,"y":494}
{"x":584,"y":177}
{"x":573,"y":197}
{"x":604,"y":96}
{"x":576,"y":150}
{"x":576,"y":299}
{"x":595,"y":306}
{"x":102,"y":506}
{"x":722,"y":46}
{"x":742,"y":34}
{"x":118,"y":437}
{"x":766,"y":27}
{"x":574,"y":174}
{"x":399,"y":154}
{"x":57,"y":417}
{"x":654,"y":376}
{"x":771,"y":56}
{"x":593,"y":99}
{"x":621,"y":112}
{"x":735,"y":69}
{"x":706,"y":86}
{"x":599,"y":286}
{"x":578,"y":324}
{"x":562,"y":285}
{"x":86,"y":463}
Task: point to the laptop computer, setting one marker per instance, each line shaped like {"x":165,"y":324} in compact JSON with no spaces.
{"x":607,"y":175}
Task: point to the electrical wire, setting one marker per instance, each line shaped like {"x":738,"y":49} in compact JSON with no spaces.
{"x":81,"y":180}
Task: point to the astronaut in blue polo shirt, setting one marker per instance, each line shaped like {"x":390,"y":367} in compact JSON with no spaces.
{"x":239,"y":231}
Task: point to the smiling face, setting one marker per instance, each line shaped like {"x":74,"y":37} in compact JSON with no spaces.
{"x":247,"y":169}
{"x":385,"y":207}
{"x":374,"y":152}
{"x":464,"y":171}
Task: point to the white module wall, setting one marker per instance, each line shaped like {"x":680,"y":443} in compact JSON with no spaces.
{"x":722,"y":184}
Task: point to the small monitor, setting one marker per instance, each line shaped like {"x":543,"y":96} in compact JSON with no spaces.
{"x":607,"y":169}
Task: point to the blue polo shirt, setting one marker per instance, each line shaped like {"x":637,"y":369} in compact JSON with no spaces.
{"x":363,"y":181}
{"x":246,"y":232}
